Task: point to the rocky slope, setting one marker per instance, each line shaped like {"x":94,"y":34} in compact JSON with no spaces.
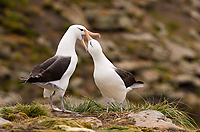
{"x":157,"y":40}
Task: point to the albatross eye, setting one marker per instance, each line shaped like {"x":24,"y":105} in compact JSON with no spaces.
{"x":91,"y":44}
{"x":80,"y":29}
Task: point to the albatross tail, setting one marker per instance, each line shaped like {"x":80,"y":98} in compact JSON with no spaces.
{"x":138,"y":84}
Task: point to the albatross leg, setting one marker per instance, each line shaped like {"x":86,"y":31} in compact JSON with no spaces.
{"x":121,"y":108}
{"x":63,"y":108}
{"x":108,"y":104}
{"x":51,"y":103}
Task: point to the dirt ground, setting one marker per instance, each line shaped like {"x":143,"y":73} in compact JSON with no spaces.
{"x":107,"y":119}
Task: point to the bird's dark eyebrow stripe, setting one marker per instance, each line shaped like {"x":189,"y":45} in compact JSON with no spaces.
{"x":80,"y":29}
{"x":91,"y":44}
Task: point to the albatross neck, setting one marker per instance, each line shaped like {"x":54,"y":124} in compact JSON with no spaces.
{"x":101,"y":60}
{"x":67,"y":44}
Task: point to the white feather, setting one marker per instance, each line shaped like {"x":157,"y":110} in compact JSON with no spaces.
{"x":134,"y":86}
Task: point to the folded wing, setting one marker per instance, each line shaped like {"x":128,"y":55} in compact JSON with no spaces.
{"x":50,"y":70}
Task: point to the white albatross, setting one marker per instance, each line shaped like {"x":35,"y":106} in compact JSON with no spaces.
{"x":53,"y":75}
{"x":114,"y":83}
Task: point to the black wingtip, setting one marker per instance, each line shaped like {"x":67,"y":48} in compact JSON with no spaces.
{"x":141,"y":82}
{"x":23,"y":80}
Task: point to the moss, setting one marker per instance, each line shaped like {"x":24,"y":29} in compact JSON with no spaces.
{"x":14,"y":130}
{"x":11,"y":117}
{"x":50,"y":123}
{"x":131,"y":47}
{"x":172,"y":26}
{"x":86,"y":124}
{"x":35,"y":58}
{"x":24,"y":115}
{"x":7,"y":125}
{"x":66,"y":26}
{"x":57,"y":127}
{"x":147,"y":129}
{"x":58,"y":10}
{"x":132,"y":126}
{"x":119,"y":129}
{"x":48,"y":5}
{"x":17,"y":56}
{"x":6,"y":3}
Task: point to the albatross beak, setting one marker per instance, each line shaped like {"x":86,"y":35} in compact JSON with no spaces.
{"x":88,"y":33}
{"x":82,"y":40}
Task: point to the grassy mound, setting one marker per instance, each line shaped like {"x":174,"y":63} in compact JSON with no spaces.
{"x":169,"y":109}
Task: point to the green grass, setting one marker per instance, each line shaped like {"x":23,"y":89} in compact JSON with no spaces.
{"x":169,"y":109}
{"x":32,"y":110}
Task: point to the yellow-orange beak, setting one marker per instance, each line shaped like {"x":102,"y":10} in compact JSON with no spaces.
{"x":88,"y":33}
{"x":82,"y":40}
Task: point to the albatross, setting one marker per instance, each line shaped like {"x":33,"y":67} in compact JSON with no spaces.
{"x":53,"y":74}
{"x":114,"y":83}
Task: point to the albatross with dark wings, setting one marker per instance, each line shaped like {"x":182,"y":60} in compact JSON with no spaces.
{"x":114,"y":83}
{"x":53,"y":75}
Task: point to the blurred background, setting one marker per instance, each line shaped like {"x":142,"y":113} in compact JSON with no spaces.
{"x":156,"y":40}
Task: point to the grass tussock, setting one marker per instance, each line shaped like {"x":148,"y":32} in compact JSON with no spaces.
{"x":30,"y":110}
{"x":169,"y":109}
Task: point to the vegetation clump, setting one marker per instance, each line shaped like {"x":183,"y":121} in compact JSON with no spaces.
{"x":86,"y":124}
{"x":119,"y":129}
{"x":24,"y":111}
{"x":51,"y":122}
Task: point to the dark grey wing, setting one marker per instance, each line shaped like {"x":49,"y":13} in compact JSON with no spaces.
{"x":51,"y":70}
{"x":40,"y":68}
{"x":127,"y":77}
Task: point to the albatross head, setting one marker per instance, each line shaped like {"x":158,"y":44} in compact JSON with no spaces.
{"x":94,"y":46}
{"x":79,"y":32}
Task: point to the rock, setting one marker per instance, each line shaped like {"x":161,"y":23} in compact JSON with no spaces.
{"x":74,"y":14}
{"x":194,"y":14}
{"x":43,"y":41}
{"x":72,"y":129}
{"x":108,"y":20}
{"x":133,"y":65}
{"x":93,"y":120}
{"x":3,"y":121}
{"x":187,"y":81}
{"x":5,"y":73}
{"x":150,"y":75}
{"x":164,"y":88}
{"x":196,"y":4}
{"x":145,"y":37}
{"x":178,"y":51}
{"x":191,"y":99}
{"x":162,"y":29}
{"x":5,"y":52}
{"x":128,"y":7}
{"x":194,"y":33}
{"x":153,"y":119}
